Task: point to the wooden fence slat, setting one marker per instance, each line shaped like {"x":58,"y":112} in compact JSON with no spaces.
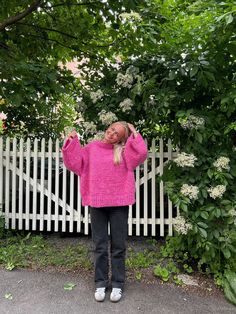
{"x":35,"y":176}
{"x":130,"y":221}
{"x":79,"y":208}
{"x":153,"y":182}
{"x":170,"y":206}
{"x":20,"y":191}
{"x":64,"y":185}
{"x":27,"y":202}
{"x":42,"y":175}
{"x":57,"y":170}
{"x":49,"y":184}
{"x":71,"y":201}
{"x":13,"y":191}
{"x":145,"y":198}
{"x":161,"y":163}
{"x":137,"y":200}
{"x":86,"y":220}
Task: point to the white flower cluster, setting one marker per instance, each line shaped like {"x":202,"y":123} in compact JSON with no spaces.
{"x":127,"y":79}
{"x":95,"y":96}
{"x":3,"y":116}
{"x":89,"y":127}
{"x":126,"y":105}
{"x":152,"y":100}
{"x":130,"y":16}
{"x":139,"y":124}
{"x":222,"y":163}
{"x":181,"y":226}
{"x":185,"y":160}
{"x":79,"y":119}
{"x":192,"y":122}
{"x":217,"y":191}
{"x":124,"y":80}
{"x":190,"y":191}
{"x":107,"y":117}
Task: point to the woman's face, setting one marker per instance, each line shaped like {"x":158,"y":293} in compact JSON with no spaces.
{"x":114,"y":134}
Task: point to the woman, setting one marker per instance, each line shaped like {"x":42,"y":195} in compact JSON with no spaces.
{"x":107,"y":185}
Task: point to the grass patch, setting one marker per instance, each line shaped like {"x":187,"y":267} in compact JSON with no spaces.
{"x":34,"y":251}
{"x":144,"y":259}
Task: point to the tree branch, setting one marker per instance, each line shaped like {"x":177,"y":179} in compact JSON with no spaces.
{"x":2,"y":45}
{"x":59,"y":43}
{"x":13,"y":19}
{"x":48,"y":29}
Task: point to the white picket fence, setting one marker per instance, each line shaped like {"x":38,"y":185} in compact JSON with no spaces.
{"x":38,"y":193}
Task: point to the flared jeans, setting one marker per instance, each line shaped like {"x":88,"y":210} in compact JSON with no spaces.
{"x":118,"y":218}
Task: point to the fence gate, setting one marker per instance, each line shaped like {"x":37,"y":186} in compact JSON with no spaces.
{"x":38,"y":193}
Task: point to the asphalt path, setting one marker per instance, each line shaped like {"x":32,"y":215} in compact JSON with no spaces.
{"x":37,"y":292}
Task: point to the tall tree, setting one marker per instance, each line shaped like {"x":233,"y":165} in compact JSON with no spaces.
{"x":34,"y":37}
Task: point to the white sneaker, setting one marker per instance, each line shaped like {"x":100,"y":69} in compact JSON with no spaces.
{"x":116,"y":294}
{"x":100,"y":294}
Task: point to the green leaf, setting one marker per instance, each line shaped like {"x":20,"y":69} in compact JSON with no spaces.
{"x":172,"y":75}
{"x":203,"y":232}
{"x":232,"y":248}
{"x":210,"y":173}
{"x":10,"y":266}
{"x":229,"y":293}
{"x":204,"y":215}
{"x":210,"y":76}
{"x":193,"y":71}
{"x":204,"y":193}
{"x":202,"y":224}
{"x":231,"y":278}
{"x":216,"y":234}
{"x":199,"y":137}
{"x":183,"y":206}
{"x":217,"y":212}
{"x":229,"y":18}
{"x":226,"y":252}
{"x":8,"y":296}
{"x":69,"y":286}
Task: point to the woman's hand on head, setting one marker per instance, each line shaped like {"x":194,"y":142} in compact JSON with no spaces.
{"x":72,"y":135}
{"x":132,"y":129}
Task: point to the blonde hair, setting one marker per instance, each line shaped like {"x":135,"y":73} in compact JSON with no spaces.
{"x":119,"y":147}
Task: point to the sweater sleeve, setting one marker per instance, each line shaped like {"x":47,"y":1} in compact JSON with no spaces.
{"x":135,"y":151}
{"x":74,"y":155}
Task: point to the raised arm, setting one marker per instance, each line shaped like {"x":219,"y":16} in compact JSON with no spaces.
{"x":135,"y":151}
{"x":74,"y":155}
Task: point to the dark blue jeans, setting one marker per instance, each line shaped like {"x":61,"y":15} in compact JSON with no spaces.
{"x":118,"y":218}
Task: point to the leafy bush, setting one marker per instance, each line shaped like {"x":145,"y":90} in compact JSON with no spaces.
{"x":229,"y":285}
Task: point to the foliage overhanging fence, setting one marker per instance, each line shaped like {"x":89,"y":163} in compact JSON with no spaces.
{"x":38,"y":193}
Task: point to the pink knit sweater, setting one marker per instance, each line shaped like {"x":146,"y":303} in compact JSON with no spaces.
{"x":102,"y":183}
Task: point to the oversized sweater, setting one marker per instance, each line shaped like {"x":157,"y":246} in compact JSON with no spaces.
{"x":102,"y":183}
